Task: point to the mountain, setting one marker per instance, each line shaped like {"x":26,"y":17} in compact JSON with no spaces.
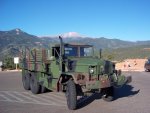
{"x":11,"y":42}
{"x":67,"y":37}
{"x":97,"y":42}
{"x":17,"y":37}
{"x":106,"y":43}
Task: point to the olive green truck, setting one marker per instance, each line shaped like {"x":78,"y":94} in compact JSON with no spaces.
{"x":72,"y":69}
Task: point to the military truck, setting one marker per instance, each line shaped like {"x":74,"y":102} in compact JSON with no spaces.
{"x":72,"y":69}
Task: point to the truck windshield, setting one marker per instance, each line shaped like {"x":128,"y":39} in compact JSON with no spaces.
{"x":79,"y":51}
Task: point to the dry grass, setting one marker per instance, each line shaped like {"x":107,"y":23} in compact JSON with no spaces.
{"x":131,"y":64}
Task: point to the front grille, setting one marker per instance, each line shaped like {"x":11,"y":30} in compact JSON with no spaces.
{"x":107,"y":67}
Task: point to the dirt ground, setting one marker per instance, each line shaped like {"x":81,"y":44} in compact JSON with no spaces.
{"x":131,"y":65}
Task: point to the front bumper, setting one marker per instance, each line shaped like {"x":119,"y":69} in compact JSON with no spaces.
{"x":105,"y":82}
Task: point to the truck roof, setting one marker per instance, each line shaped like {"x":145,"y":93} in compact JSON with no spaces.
{"x":74,"y":44}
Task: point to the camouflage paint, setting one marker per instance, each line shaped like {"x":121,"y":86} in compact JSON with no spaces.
{"x":103,"y":76}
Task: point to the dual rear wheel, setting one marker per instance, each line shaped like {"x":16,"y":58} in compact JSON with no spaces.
{"x":30,"y":82}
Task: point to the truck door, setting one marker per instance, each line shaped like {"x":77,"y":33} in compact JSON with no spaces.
{"x":55,"y":66}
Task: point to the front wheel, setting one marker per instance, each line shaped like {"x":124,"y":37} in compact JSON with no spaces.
{"x":71,"y":95}
{"x":108,"y":94}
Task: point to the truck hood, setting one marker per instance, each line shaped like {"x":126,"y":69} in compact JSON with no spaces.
{"x":82,"y":64}
{"x":87,"y":61}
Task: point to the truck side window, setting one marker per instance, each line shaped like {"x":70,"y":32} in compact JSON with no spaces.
{"x":71,"y":51}
{"x":56,"y":52}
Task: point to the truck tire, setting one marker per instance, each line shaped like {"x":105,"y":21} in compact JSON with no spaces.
{"x":43,"y":89}
{"x":71,"y":95}
{"x":108,"y":94}
{"x":34,"y":85}
{"x":26,"y":80}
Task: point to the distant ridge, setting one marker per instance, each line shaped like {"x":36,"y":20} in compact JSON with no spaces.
{"x":13,"y":40}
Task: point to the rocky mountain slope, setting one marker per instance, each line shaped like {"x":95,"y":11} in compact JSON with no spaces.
{"x":14,"y":40}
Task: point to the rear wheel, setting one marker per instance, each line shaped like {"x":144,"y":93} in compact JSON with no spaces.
{"x":43,"y":89}
{"x":34,"y":85}
{"x":71,"y":95}
{"x":26,"y":80}
{"x":108,"y":94}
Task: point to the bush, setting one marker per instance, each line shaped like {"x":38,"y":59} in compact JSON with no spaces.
{"x":8,"y":63}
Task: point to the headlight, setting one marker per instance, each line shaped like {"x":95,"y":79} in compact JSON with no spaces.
{"x":91,"y":70}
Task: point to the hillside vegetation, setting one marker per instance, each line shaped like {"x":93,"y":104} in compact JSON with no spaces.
{"x":11,"y":42}
{"x":141,"y":51}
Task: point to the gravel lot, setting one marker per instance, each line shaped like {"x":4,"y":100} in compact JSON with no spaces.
{"x":132,"y":98}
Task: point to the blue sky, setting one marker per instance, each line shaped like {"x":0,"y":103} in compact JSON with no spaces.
{"x":121,"y":19}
